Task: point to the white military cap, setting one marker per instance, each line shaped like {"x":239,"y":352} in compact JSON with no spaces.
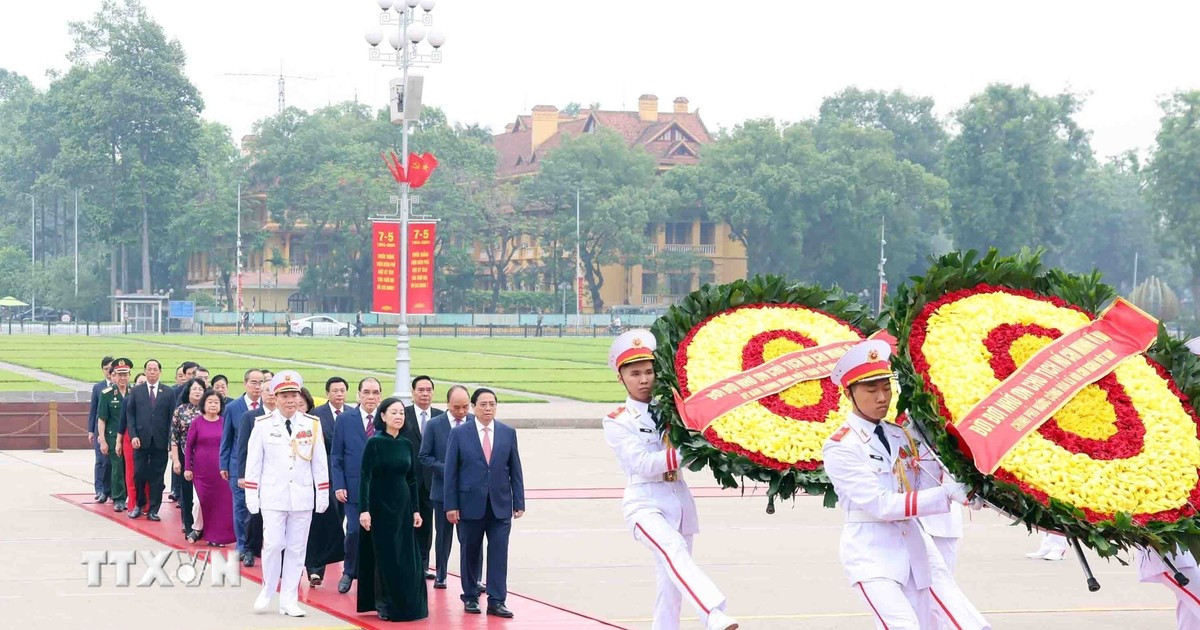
{"x":286,"y":381}
{"x":631,"y":346}
{"x":867,"y":361}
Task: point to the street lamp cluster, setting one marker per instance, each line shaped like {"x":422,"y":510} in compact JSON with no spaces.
{"x":409,"y":27}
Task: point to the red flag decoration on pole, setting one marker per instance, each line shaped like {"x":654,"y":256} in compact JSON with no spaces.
{"x":385,"y":266}
{"x":394,"y":166}
{"x":420,"y":167}
{"x":421,"y":238}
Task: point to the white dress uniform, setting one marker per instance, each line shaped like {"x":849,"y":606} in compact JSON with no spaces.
{"x":285,"y":473}
{"x":889,"y":560}
{"x":946,"y":530}
{"x":1151,"y":568}
{"x":658,"y":506}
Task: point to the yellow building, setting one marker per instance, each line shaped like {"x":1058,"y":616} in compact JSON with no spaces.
{"x":270,"y":273}
{"x":685,"y":253}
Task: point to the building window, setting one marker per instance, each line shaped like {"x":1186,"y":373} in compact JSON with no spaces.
{"x":679,"y":233}
{"x":708,"y":233}
{"x":651,"y":231}
{"x":649,"y":283}
{"x":680,"y":283}
{"x":708,"y":277}
{"x":298,"y":303}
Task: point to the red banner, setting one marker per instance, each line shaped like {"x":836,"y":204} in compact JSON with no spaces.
{"x":385,"y":266}
{"x":772,"y":377}
{"x":422,"y":237}
{"x":1050,"y":379}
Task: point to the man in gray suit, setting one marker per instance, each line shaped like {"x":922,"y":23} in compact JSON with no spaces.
{"x":433,"y":458}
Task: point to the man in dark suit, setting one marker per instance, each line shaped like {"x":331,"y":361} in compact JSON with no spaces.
{"x":433,"y":458}
{"x":102,"y":471}
{"x":335,"y":393}
{"x":148,"y":419}
{"x":350,"y":433}
{"x":484,"y":492}
{"x":252,"y":382}
{"x":416,"y":419}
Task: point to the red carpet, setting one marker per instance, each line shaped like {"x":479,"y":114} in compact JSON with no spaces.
{"x":445,"y":608}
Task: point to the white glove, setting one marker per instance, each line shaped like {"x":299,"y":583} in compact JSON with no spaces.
{"x":958,"y":492}
{"x":322,"y":501}
{"x":977,"y":503}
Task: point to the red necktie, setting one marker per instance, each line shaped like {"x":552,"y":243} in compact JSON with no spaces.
{"x":487,"y":444}
{"x":254,"y":405}
{"x":370,"y":426}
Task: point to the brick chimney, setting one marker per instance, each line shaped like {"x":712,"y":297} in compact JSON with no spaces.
{"x":545,"y":124}
{"x":648,"y":108}
{"x":681,"y":105}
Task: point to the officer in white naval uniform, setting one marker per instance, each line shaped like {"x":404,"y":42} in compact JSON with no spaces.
{"x":890,"y":561}
{"x":658,"y":506}
{"x":285,"y":474}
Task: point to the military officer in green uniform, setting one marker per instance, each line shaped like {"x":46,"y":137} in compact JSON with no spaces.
{"x":108,"y":417}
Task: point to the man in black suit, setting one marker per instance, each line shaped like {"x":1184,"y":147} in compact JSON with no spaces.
{"x":416,"y":419}
{"x":335,"y":392}
{"x":148,"y":419}
{"x":433,"y":458}
{"x":102,"y":471}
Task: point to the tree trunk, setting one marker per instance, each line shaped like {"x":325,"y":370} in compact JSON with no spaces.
{"x":124,"y":268}
{"x":146,"y":247}
{"x":112,"y":272}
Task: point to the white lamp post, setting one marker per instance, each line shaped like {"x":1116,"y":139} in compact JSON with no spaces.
{"x":411,"y":27}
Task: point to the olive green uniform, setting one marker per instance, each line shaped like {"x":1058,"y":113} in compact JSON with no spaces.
{"x":110,"y":413}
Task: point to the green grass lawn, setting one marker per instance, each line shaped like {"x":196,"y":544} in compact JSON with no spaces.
{"x":13,"y":382}
{"x":571,"y":368}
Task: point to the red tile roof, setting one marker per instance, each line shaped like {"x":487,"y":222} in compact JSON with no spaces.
{"x":515,"y":145}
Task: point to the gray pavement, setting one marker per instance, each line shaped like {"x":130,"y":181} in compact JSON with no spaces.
{"x":779,"y":571}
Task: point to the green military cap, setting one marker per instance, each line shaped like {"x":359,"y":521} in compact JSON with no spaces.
{"x":122,"y":366}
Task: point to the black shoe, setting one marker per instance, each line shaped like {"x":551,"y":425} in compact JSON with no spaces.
{"x":248,"y":559}
{"x":119,"y":507}
{"x":153,"y":517}
{"x":101,"y":498}
{"x":482,"y":587}
{"x":193,"y":536}
{"x":439,"y":584}
{"x":499,"y":611}
{"x":344,"y":584}
{"x":471,"y":607}
{"x":97,"y":497}
{"x":430,"y":575}
{"x":178,"y":506}
{"x":384,"y":617}
{"x":171,"y":497}
{"x":136,"y":512}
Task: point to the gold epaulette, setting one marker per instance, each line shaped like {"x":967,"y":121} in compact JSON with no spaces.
{"x":616,"y":412}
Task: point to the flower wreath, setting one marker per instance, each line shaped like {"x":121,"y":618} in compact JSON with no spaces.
{"x":1117,"y":466}
{"x":720,"y":331}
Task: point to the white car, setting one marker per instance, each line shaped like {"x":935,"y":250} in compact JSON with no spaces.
{"x":319,"y":325}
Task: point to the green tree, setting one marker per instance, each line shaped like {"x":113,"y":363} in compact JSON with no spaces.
{"x":1014,"y":168}
{"x":618,"y":192}
{"x":917,"y":134}
{"x":1175,"y":182}
{"x":1109,"y":223}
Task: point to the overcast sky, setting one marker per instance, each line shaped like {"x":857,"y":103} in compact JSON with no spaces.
{"x":733,"y":60}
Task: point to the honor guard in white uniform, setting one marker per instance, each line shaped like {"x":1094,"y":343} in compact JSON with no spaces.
{"x":285,"y":473}
{"x":890,"y":561}
{"x":1151,"y":568}
{"x":658,"y":506}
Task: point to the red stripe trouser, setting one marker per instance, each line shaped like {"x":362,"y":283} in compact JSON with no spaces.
{"x":678,"y":576}
{"x":1187,"y":606}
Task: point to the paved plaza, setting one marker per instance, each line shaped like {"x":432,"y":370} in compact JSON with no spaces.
{"x":779,"y":571}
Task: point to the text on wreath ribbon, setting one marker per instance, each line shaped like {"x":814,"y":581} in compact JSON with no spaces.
{"x":1050,"y":379}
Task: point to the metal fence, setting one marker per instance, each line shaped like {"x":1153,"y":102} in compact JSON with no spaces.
{"x":278,"y":329}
